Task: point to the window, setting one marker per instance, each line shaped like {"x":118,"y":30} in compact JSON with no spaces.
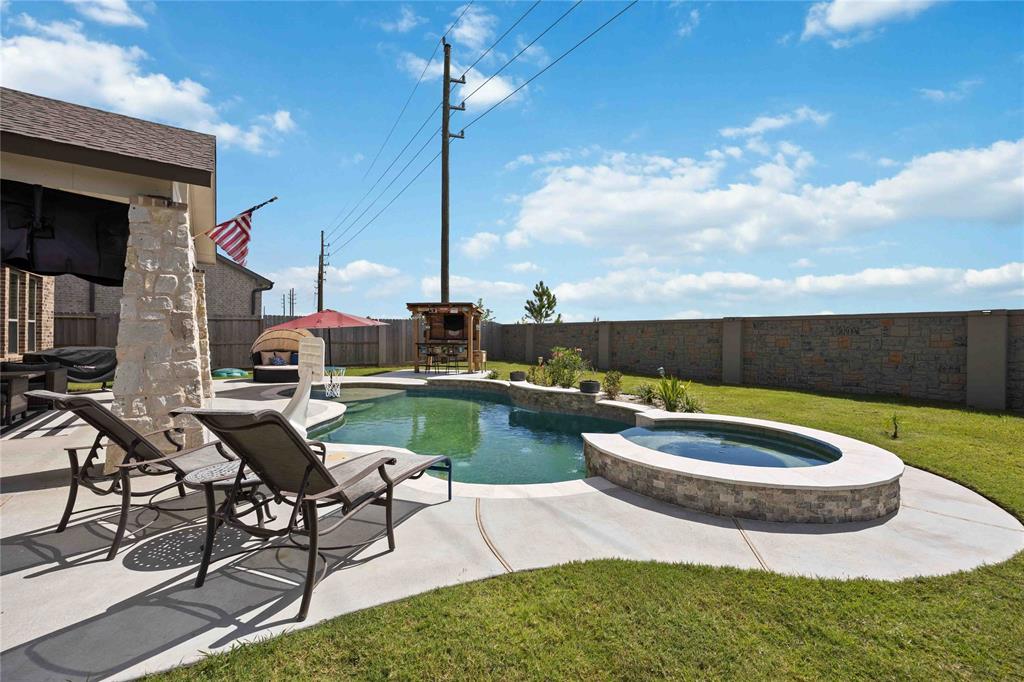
{"x":13,"y":297}
{"x":34,"y":291}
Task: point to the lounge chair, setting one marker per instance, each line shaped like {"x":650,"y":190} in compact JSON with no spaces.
{"x":268,"y":445}
{"x":12,"y":396}
{"x":141,"y":457}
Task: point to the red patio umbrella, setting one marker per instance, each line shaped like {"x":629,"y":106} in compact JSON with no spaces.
{"x":328,"y":319}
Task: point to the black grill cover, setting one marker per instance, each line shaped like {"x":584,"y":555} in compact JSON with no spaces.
{"x":84,"y":363}
{"x":50,"y":232}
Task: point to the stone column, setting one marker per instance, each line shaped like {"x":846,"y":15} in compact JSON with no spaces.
{"x":604,"y":345}
{"x":986,"y":359}
{"x":732,"y":350}
{"x":204,"y":334}
{"x":159,"y":365}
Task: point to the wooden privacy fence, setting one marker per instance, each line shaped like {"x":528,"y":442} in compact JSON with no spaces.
{"x":231,"y":338}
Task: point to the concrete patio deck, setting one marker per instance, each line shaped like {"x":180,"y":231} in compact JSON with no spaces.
{"x":67,"y":614}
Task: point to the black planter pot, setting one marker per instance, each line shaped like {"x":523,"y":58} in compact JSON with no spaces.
{"x":590,"y":386}
{"x":517,"y":376}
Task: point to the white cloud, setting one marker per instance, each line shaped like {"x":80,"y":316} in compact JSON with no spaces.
{"x":525,"y":266}
{"x":471,"y":289}
{"x":475,"y":29}
{"x":958,"y":92}
{"x":283,"y":121}
{"x":479,"y":245}
{"x":675,"y":205}
{"x":691,"y":314}
{"x":788,"y":164}
{"x":689,"y":25}
{"x":764,"y":124}
{"x":414,"y":65}
{"x":534,"y":54}
{"x":480,"y":95}
{"x":554,"y":156}
{"x":886,"y":162}
{"x":336,"y":280}
{"x":352,"y":160}
{"x":520,"y":161}
{"x":407,"y":20}
{"x":802,"y":263}
{"x":848,"y":22}
{"x":109,"y":12}
{"x":649,"y":285}
{"x":58,"y":60}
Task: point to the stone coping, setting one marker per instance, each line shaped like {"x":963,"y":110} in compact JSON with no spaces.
{"x":337,"y":452}
{"x":861,"y":465}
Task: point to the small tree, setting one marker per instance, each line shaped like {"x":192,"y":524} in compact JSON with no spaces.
{"x":541,"y":307}
{"x":488,"y":315}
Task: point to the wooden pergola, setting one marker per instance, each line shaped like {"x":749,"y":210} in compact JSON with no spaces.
{"x":447,"y":334}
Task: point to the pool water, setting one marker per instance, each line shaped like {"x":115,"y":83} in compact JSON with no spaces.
{"x":488,"y":439}
{"x":747,"y":446}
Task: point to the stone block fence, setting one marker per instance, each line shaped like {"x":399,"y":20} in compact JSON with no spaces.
{"x":968,"y":357}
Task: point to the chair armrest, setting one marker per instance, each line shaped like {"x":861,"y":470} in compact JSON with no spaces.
{"x":377,"y":465}
{"x":167,"y":435}
{"x":158,"y":460}
{"x":319,"y":447}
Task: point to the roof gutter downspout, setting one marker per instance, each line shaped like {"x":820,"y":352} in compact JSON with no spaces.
{"x":253,"y":307}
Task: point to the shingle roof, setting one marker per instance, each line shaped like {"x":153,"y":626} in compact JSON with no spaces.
{"x":48,"y":119}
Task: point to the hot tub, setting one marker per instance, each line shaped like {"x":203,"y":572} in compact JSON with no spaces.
{"x":750,"y":468}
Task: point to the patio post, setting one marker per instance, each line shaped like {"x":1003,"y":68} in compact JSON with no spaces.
{"x":159,"y":357}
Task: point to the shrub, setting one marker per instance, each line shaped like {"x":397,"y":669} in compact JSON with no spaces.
{"x":612,"y":384}
{"x":676,"y":396}
{"x":537,"y":375}
{"x":566,"y":366}
{"x":492,"y":375}
{"x":646,"y":393}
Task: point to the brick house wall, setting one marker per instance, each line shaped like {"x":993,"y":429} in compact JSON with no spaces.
{"x":42,"y":313}
{"x":229,"y":293}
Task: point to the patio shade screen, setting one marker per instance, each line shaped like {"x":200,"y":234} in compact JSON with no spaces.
{"x":51,"y":232}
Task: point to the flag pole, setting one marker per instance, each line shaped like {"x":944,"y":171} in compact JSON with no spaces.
{"x":248,"y":210}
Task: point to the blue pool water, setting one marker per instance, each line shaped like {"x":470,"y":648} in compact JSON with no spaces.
{"x":488,"y":439}
{"x":727,"y":444}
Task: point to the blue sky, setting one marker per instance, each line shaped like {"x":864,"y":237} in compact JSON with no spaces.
{"x":693,"y":159}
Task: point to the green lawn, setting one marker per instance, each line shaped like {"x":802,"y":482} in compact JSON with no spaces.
{"x":632,"y":620}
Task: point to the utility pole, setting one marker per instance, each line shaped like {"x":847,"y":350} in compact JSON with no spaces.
{"x":291,"y":301}
{"x":446,"y":109}
{"x":320,"y":276}
{"x":284,"y":310}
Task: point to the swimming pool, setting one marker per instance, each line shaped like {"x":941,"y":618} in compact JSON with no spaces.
{"x":733,"y":444}
{"x":488,"y":438}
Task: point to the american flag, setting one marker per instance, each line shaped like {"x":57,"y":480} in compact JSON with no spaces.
{"x":233,"y":235}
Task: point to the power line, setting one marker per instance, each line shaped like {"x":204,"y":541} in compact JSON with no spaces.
{"x":384,"y":191}
{"x":393,"y":199}
{"x":390,"y":166}
{"x":520,"y":53}
{"x":491,"y":109}
{"x":414,"y":88}
{"x":558,"y":59}
{"x":500,"y":38}
{"x":337,"y":226}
